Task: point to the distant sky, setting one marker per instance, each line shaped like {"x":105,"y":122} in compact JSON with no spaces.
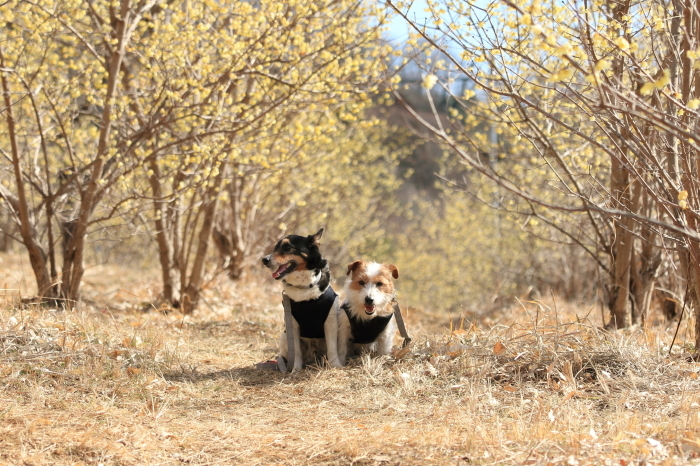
{"x":398,"y":29}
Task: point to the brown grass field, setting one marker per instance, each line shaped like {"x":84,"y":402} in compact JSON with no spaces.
{"x":540,"y":384}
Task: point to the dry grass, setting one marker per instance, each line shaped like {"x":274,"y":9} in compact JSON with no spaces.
{"x":112,"y":384}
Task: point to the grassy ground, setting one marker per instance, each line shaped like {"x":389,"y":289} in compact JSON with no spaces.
{"x":112,"y":384}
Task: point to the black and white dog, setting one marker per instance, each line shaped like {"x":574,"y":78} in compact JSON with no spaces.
{"x":367,"y":321}
{"x":306,"y":278}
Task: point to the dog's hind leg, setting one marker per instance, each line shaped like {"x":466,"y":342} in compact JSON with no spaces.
{"x":386,"y":339}
{"x":282,"y":344}
{"x":330,"y":329}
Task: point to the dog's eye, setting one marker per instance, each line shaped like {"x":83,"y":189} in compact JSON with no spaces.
{"x":286,"y":247}
{"x":380,"y":284}
{"x":361,"y":282}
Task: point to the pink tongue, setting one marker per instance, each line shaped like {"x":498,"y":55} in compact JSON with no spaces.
{"x":279,"y":271}
{"x":369,"y":309}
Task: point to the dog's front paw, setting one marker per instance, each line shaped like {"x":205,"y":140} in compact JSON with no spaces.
{"x":336,"y":364}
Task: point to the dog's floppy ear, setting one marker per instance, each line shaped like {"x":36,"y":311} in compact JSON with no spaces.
{"x":394,"y":270}
{"x":315,"y":239}
{"x":353,"y":266}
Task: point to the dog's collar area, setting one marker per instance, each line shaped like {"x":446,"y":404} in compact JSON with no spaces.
{"x":297,"y":286}
{"x":305,"y":287}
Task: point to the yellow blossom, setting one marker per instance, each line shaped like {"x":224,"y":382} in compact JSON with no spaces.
{"x":622,"y":43}
{"x":429,"y":81}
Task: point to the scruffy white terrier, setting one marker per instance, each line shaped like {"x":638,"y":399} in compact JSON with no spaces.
{"x":366,"y":321}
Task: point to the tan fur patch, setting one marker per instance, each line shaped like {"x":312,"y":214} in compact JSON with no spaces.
{"x":284,"y":258}
{"x":385,"y":277}
{"x":358,"y":269}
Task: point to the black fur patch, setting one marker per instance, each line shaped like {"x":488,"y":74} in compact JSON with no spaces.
{"x":366,"y":331}
{"x":325,"y":279}
{"x":302,"y":246}
{"x":312,"y":314}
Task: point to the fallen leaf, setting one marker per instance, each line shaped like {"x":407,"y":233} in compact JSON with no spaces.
{"x":499,"y":348}
{"x":402,"y":352}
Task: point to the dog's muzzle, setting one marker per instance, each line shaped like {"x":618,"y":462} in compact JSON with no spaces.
{"x":369,"y":305}
{"x":279,"y":270}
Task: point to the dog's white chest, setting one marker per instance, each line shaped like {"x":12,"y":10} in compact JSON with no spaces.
{"x":302,"y":285}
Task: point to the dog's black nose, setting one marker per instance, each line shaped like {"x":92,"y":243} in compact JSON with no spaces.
{"x":368,"y":300}
{"x":266,"y":260}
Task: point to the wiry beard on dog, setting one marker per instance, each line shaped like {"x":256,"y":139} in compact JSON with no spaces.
{"x":368,"y":322}
{"x":370,"y":290}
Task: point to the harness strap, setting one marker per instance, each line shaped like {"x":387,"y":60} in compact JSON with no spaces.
{"x":289,"y":328}
{"x":401,"y":325}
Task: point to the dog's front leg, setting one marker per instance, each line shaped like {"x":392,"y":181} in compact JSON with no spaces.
{"x":343,"y":337}
{"x":330,"y":328}
{"x":298,"y":357}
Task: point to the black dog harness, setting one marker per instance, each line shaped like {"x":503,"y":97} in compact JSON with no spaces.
{"x":312,"y":314}
{"x":366,"y":330}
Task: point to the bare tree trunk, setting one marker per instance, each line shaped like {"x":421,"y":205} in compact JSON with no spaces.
{"x":37,"y":257}
{"x":691,"y":272}
{"x":621,"y":248}
{"x":74,"y":267}
{"x":190,"y":295}
{"x":644,"y":266}
{"x":164,"y":249}
{"x":692,"y":21}
{"x":55,"y":291}
{"x":235,"y":242}
{"x":694,"y":299}
{"x":645,"y":263}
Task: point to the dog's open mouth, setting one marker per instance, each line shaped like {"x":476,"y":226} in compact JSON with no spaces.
{"x":283,"y":270}
{"x":369,"y":309}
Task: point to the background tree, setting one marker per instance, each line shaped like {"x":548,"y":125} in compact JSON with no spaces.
{"x":112,"y":106}
{"x":600,"y":113}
